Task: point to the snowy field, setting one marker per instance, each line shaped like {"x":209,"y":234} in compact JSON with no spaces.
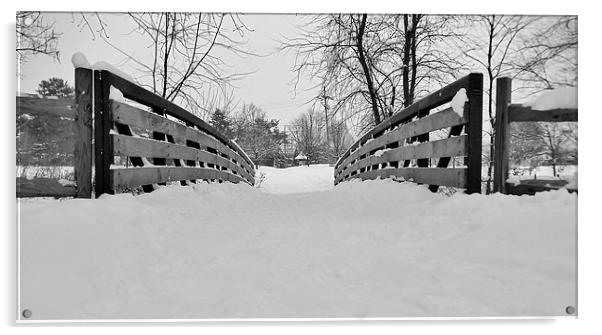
{"x":360,"y":249}
{"x":565,"y":172}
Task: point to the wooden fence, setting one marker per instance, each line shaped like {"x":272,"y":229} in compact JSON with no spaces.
{"x":506,"y":112}
{"x":161,"y":144}
{"x":401,"y":146}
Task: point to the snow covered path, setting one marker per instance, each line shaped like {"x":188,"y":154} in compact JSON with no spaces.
{"x":298,"y":179}
{"x":361,"y":249}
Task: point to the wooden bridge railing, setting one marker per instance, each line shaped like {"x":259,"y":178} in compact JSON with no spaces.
{"x":401,"y":146}
{"x":506,"y":112}
{"x":165,"y":144}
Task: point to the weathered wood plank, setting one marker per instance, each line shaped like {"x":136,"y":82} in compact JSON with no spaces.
{"x":431,"y":101}
{"x":449,"y":147}
{"x":125,"y":114}
{"x":121,"y":178}
{"x":519,"y":113}
{"x":501,"y":148}
{"x":136,"y":160}
{"x":454,"y":177}
{"x":102,"y":126}
{"x":443,"y":119}
{"x":159,"y":136}
{"x":145,"y":97}
{"x":474,"y":130}
{"x":83,"y":133}
{"x":139,"y":146}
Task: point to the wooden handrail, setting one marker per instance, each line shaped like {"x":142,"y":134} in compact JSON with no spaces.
{"x":396,"y":132}
{"x":197,"y":149}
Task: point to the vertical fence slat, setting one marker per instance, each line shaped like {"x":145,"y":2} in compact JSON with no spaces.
{"x":98,"y":136}
{"x":83,"y":133}
{"x":474,"y":130}
{"x":103,"y":146}
{"x":503,"y":99}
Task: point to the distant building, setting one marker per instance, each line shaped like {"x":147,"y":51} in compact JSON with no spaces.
{"x":301,"y":159}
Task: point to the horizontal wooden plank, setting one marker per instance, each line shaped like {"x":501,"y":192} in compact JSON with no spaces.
{"x":43,"y":187}
{"x":126,"y":177}
{"x":440,"y":120}
{"x":141,"y":95}
{"x":449,"y":147}
{"x":431,"y":101}
{"x":519,"y":113}
{"x":58,"y":107}
{"x":455,"y":177}
{"x":126,"y":114}
{"x":124,"y":145}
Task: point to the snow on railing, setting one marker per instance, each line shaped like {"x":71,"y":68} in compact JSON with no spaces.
{"x":401,"y":146}
{"x":193,"y":148}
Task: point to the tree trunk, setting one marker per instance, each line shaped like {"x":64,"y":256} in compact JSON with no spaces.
{"x":362,"y":59}
{"x":415,"y":20}
{"x":490,"y":104}
{"x":406,"y":64}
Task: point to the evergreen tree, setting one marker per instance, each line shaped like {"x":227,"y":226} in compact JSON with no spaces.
{"x":55,"y":87}
{"x":221,"y":122}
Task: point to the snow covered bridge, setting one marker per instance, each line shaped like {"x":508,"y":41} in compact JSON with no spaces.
{"x":166,"y":143}
{"x":294,"y":244}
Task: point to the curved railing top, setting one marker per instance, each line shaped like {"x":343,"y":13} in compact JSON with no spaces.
{"x":432,"y":100}
{"x":402,"y":146}
{"x":141,"y":95}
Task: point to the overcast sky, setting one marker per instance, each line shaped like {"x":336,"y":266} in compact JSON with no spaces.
{"x":269,"y":86}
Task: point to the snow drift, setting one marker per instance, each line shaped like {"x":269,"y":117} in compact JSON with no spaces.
{"x":361,"y":249}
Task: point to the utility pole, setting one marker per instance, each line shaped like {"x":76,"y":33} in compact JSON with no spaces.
{"x":324,"y":99}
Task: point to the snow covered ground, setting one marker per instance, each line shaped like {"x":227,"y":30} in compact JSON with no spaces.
{"x":55,"y":172}
{"x":360,"y":249}
{"x":298,"y":179}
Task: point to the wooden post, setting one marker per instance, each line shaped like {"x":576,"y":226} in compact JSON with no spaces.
{"x":503,"y":97}
{"x":474,"y":130}
{"x":83,"y":133}
{"x":103,"y":146}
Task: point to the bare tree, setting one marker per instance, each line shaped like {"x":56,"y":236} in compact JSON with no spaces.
{"x":308,"y":135}
{"x":544,"y":142}
{"x":35,"y":36}
{"x":183,"y":64}
{"x":365,"y":61}
{"x":492,"y":43}
{"x":538,"y":52}
{"x":333,"y":48}
{"x":340,"y":138}
{"x":548,"y":57}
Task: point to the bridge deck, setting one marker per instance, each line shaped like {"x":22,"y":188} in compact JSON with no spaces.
{"x":361,"y":249}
